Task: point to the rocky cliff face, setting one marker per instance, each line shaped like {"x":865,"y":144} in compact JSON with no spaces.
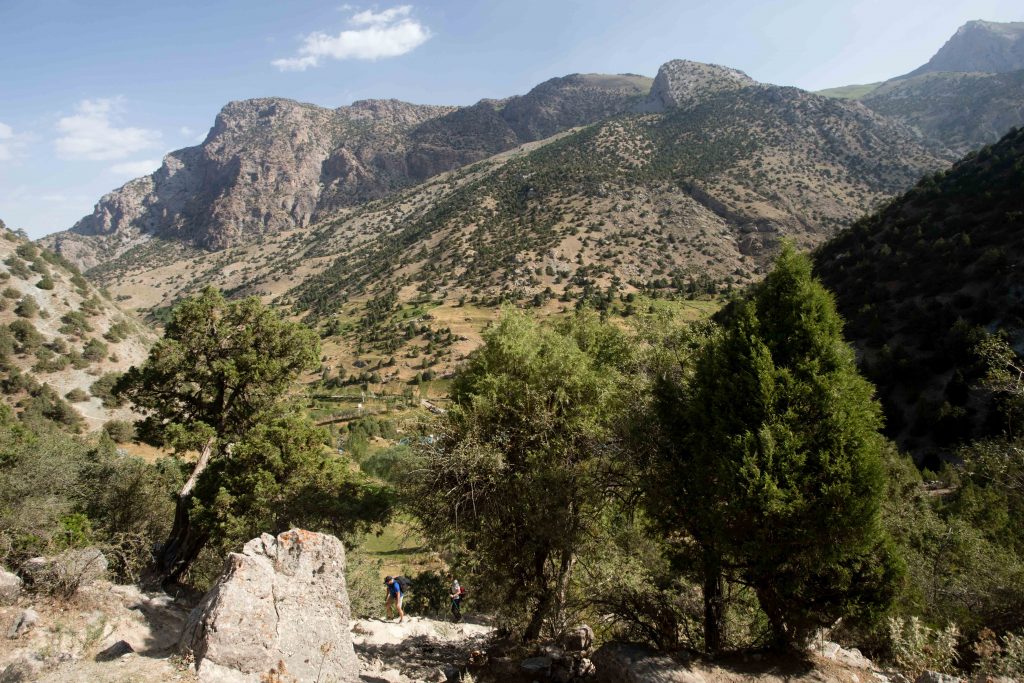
{"x":983,"y":46}
{"x":273,"y":164}
{"x":682,"y":82}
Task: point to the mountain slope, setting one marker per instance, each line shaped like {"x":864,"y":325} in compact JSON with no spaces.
{"x":968,"y":94}
{"x":918,"y":280}
{"x":59,"y":337}
{"x":272,"y":164}
{"x":962,"y":110}
{"x":980,"y":46}
{"x":684,"y":202}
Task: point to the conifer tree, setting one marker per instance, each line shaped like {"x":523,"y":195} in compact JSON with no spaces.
{"x":774,"y":451}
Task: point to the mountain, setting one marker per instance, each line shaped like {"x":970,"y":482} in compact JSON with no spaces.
{"x":60,"y":338}
{"x":688,"y":196}
{"x":921,"y":280}
{"x":962,"y":110}
{"x":273,"y":164}
{"x":980,"y":46}
{"x":968,"y":95}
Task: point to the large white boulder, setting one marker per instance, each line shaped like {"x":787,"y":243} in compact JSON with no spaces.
{"x":280,"y":606}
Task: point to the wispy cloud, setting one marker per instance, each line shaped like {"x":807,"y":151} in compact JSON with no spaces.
{"x":388,"y":33}
{"x":134,"y":169}
{"x":371,"y":18}
{"x":10,"y":142}
{"x":6,"y":134}
{"x":92,"y":132}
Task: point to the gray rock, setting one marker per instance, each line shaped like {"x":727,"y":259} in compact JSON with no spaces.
{"x":579,"y":639}
{"x":280,"y":602}
{"x":23,"y":623}
{"x":936,"y":677}
{"x":625,"y":663}
{"x":682,"y":83}
{"x":536,"y":666}
{"x":24,"y":669}
{"x":10,"y":587}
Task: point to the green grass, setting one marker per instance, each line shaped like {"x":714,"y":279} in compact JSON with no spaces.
{"x":400,"y":549}
{"x":849,"y":92}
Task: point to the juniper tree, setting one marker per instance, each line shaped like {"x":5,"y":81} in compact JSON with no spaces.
{"x":773,"y":457}
{"x":518,"y":474}
{"x":219,"y":370}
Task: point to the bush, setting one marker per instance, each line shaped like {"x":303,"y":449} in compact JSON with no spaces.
{"x":27,"y":307}
{"x":103,"y":390}
{"x":365,"y":585}
{"x":46,"y":282}
{"x":1000,"y":657}
{"x":94,"y":350}
{"x":121,"y":431}
{"x":916,"y":647}
{"x":75,"y":324}
{"x":26,"y":336}
{"x":76,"y":395}
{"x":428,"y":595}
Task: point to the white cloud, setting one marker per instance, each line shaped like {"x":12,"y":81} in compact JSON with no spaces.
{"x":371,"y":18}
{"x":134,"y":169}
{"x":388,"y":33}
{"x":92,"y":133}
{"x":6,"y":138}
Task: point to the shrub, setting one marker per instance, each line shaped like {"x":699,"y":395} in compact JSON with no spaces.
{"x":103,"y":390}
{"x":1000,"y":657}
{"x":94,"y":350}
{"x":121,"y":431}
{"x":365,"y":585}
{"x":75,"y":323}
{"x":27,"y":307}
{"x":76,"y":395}
{"x":26,"y":336}
{"x":916,"y":647}
{"x":46,"y":282}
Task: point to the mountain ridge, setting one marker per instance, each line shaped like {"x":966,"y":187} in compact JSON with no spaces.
{"x":270,"y":164}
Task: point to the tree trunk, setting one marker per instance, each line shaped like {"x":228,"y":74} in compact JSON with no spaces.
{"x":532,"y":631}
{"x":712,"y":603}
{"x":551,"y":597}
{"x":183,"y":544}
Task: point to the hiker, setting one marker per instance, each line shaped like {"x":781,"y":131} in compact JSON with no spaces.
{"x":394,"y":598}
{"x":457,"y":593}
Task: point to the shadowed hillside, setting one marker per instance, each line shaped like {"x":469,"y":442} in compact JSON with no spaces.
{"x":921,"y":279}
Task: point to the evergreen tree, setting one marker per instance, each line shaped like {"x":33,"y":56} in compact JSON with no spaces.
{"x":220,"y":370}
{"x":518,"y":474}
{"x":773,"y":444}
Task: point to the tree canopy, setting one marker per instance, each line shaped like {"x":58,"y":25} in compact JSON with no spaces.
{"x":774,"y":458}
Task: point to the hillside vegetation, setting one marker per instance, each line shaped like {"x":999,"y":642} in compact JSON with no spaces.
{"x":921,"y":281}
{"x":682,"y":204}
{"x":61,"y":339}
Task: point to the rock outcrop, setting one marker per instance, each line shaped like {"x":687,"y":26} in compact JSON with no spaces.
{"x":680,"y":83}
{"x":280,"y":608}
{"x":273,"y":164}
{"x":10,"y":587}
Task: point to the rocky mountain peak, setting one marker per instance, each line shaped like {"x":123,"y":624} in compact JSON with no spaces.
{"x":980,"y":46}
{"x":682,"y":82}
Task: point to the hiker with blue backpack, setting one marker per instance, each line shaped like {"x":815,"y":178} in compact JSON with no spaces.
{"x":396,"y":587}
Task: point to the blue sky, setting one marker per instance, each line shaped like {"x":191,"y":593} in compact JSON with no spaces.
{"x":94,"y":92}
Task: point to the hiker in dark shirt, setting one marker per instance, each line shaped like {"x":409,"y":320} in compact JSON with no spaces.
{"x":394,"y":598}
